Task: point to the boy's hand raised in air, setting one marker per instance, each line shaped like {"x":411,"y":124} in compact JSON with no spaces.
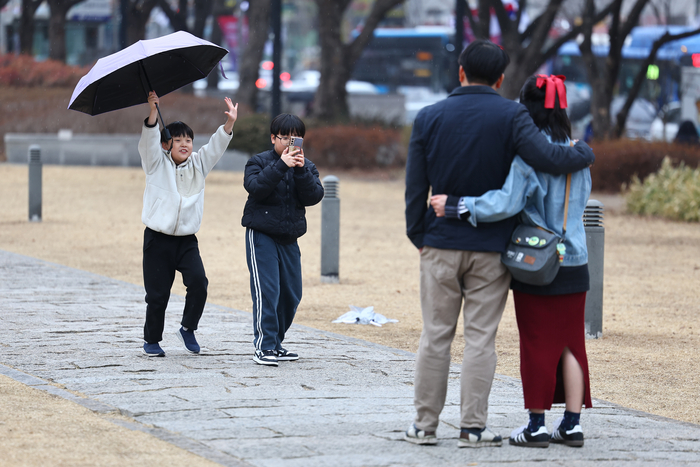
{"x":232,"y":114}
{"x":153,"y":101}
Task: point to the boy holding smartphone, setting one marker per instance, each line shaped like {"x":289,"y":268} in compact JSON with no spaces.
{"x":280,"y":183}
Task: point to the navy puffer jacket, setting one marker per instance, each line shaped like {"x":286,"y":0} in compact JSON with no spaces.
{"x":278,"y":196}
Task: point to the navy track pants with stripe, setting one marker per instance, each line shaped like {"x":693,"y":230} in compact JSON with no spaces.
{"x":275,"y":286}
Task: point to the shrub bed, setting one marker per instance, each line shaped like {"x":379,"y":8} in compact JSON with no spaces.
{"x":617,"y":162}
{"x":24,"y":71}
{"x":672,"y":192}
{"x":355,"y":147}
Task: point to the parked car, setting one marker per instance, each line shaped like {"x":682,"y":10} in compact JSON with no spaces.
{"x":639,"y":119}
{"x":665,"y":125}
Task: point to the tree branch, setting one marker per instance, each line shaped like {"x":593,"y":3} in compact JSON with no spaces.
{"x":354,"y":49}
{"x":641,"y":74}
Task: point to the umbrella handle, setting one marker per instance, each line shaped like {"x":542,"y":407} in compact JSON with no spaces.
{"x":166,"y":133}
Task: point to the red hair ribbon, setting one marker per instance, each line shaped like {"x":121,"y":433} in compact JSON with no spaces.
{"x":554,"y":82}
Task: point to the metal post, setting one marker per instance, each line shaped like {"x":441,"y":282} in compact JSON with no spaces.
{"x":276,"y":20}
{"x":330,"y":231}
{"x":595,"y":241}
{"x":35,"y":183}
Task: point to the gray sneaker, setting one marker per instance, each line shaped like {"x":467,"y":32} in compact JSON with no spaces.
{"x":417,"y":436}
{"x":475,"y":438}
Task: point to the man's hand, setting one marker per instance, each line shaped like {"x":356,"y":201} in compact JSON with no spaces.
{"x":153,"y":102}
{"x":231,"y":114}
{"x":438,"y":203}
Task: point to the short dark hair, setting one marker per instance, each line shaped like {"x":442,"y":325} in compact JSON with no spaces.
{"x":483,"y":62}
{"x":177,"y":129}
{"x":286,"y":124}
{"x":554,"y":121}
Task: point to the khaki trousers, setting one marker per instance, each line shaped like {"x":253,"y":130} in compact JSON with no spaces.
{"x":449,"y":278}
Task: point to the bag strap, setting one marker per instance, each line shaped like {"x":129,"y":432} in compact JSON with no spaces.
{"x":566,"y":202}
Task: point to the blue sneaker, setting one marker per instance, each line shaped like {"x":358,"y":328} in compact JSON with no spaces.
{"x":153,"y":350}
{"x":187,"y":338}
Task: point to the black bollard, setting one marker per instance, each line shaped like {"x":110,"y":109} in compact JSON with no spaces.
{"x":35,"y":183}
{"x":330,"y":231}
{"x":595,"y":241}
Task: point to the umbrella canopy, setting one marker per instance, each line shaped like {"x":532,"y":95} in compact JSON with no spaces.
{"x":162,"y":65}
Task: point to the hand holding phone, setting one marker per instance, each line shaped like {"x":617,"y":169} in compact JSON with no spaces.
{"x":295,"y":145}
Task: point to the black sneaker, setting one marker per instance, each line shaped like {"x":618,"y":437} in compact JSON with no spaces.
{"x":284,"y":355}
{"x":524,"y":437}
{"x":265,"y":357}
{"x":153,"y":350}
{"x":572,"y":437}
{"x":188,"y":340}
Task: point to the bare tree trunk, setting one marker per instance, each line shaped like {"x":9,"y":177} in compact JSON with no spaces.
{"x":330,"y":100}
{"x":57,"y":27}
{"x":202,"y":9}
{"x":26,"y":26}
{"x":177,"y":18}
{"x":525,"y":60}
{"x":258,"y":27}
{"x":603,"y":81}
{"x":139,"y":12}
{"x":338,"y":59}
{"x":218,"y":9}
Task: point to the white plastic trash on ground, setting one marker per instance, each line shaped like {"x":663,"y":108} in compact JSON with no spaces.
{"x":359,"y":315}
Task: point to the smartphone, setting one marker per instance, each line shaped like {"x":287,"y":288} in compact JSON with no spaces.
{"x":295,"y":143}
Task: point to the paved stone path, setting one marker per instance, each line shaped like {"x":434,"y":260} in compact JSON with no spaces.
{"x":346,"y":402}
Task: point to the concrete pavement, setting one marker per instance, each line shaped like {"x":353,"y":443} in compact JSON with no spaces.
{"x":346,"y":402}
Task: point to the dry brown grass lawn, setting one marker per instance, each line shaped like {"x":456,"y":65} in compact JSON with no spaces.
{"x":646,"y":359}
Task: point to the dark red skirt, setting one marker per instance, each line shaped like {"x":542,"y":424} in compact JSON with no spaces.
{"x":547,"y":324}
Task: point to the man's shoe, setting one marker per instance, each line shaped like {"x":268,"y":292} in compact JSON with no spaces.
{"x":265,"y":357}
{"x":284,"y":355}
{"x":524,"y":437}
{"x":475,"y":438}
{"x":153,"y":350}
{"x":188,"y":340}
{"x":417,"y":436}
{"x":572,"y":437}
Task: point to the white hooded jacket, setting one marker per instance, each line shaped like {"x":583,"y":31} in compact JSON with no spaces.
{"x":173,"y":202}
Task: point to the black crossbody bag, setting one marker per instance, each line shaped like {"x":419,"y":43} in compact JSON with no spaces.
{"x":532,"y":255}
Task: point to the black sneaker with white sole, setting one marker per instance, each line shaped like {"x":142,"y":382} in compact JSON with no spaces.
{"x":265,"y":357}
{"x":572,"y":437}
{"x":284,"y":355}
{"x":526,"y":438}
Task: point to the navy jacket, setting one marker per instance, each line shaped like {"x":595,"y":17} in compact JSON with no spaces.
{"x":464,"y":146}
{"x":277,"y":196}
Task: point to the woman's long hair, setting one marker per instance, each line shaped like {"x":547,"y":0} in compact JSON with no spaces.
{"x":554,"y":121}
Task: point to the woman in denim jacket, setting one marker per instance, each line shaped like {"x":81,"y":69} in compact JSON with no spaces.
{"x":553,"y":362}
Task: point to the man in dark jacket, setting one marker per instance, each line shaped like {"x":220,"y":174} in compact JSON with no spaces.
{"x":280,"y":183}
{"x":465,"y":144}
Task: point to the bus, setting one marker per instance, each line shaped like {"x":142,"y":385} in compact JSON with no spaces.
{"x":409,"y":57}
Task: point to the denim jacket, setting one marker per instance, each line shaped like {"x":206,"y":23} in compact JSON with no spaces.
{"x":539,"y":198}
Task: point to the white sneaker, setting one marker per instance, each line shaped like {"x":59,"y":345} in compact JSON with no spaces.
{"x":417,"y":436}
{"x":524,"y":437}
{"x":484,"y":438}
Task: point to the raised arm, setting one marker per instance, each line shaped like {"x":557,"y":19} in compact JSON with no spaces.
{"x":536,"y":151}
